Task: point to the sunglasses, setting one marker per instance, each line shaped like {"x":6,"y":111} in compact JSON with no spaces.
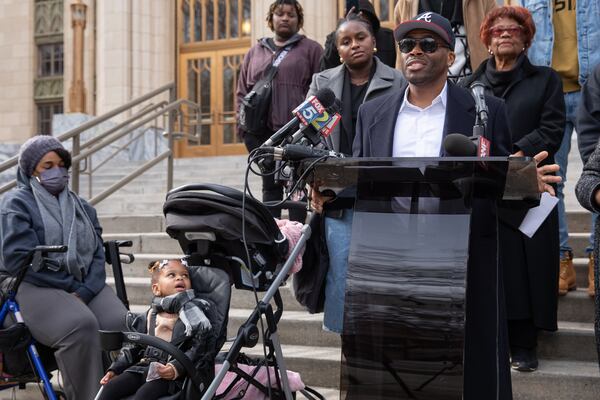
{"x":512,"y":30}
{"x":428,"y":45}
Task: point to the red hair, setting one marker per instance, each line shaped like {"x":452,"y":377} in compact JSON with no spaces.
{"x":519,"y":14}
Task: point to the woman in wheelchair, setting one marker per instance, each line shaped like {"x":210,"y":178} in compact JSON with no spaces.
{"x":175,"y":316}
{"x":64,"y":299}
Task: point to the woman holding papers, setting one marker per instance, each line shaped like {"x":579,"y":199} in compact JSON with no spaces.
{"x":536,"y":116}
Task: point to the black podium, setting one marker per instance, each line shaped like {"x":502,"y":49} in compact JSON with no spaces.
{"x":415,"y":227}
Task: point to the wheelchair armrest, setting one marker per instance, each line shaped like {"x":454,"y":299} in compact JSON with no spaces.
{"x":124,"y":243}
{"x":147,"y":340}
{"x":111,"y":340}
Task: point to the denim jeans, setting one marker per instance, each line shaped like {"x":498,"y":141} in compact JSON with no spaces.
{"x":562,"y":159}
{"x":338,"y":232}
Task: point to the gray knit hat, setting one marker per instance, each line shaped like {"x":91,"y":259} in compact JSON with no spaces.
{"x":35,"y":148}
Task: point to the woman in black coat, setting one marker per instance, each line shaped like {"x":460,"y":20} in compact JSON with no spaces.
{"x":536,"y":115}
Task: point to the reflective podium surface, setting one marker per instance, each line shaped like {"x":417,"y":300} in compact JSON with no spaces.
{"x":405,"y":303}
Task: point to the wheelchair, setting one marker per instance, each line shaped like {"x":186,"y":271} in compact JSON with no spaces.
{"x":23,"y":360}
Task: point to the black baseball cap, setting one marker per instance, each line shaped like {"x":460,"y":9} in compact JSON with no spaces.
{"x":429,"y":21}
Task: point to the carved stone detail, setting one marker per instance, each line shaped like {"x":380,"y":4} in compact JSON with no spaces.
{"x":48,"y":88}
{"x":49,"y":16}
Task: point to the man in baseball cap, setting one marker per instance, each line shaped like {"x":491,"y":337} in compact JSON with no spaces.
{"x":412,"y":122}
{"x":428,"y":21}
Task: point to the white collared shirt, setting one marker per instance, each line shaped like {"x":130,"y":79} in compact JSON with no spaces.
{"x":418,"y":131}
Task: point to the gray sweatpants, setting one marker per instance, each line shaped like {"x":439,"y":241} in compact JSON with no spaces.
{"x":60,"y":320}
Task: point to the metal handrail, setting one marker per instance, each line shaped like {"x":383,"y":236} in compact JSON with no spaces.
{"x":11,"y":162}
{"x":169,"y":108}
{"x":124,"y":181}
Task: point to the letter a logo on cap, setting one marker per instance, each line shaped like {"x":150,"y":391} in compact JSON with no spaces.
{"x":425,"y":17}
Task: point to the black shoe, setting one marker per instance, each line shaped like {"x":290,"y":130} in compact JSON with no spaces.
{"x":524,"y":360}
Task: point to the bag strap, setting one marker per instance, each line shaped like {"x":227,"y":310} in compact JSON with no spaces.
{"x":274,"y":67}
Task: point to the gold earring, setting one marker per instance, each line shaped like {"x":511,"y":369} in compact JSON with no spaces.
{"x":374,"y":49}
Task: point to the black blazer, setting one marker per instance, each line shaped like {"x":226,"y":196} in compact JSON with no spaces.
{"x":377,"y":121}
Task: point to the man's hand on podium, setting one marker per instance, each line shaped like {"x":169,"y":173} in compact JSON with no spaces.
{"x":545,"y":174}
{"x":317,"y":200}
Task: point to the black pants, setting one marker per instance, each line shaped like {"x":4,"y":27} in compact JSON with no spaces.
{"x":522,"y":333}
{"x":271,"y":191}
{"x":129,"y":383}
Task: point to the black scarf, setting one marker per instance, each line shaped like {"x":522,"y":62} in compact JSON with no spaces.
{"x":501,"y":80}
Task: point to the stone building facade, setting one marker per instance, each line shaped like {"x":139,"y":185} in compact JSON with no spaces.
{"x":130,"y":48}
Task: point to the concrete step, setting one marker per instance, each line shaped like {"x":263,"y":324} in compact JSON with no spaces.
{"x":142,"y":222}
{"x":138,"y":292}
{"x":579,"y":242}
{"x":136,"y":274}
{"x":576,"y":306}
{"x":579,"y":221}
{"x":581,"y":271}
{"x":573,"y":341}
{"x":154,"y":242}
{"x":560,"y":380}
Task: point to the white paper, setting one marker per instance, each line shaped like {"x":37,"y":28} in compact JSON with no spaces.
{"x":537,"y":215}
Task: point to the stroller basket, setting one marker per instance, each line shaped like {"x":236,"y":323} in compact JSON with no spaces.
{"x":206,"y":220}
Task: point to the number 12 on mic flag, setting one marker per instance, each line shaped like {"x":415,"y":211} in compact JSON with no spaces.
{"x":326,"y":123}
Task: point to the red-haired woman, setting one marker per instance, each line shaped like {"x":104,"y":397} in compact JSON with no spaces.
{"x":536,"y":115}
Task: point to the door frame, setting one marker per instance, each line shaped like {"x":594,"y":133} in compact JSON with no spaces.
{"x":216,"y":146}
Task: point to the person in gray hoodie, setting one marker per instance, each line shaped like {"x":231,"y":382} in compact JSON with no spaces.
{"x":65,"y":300}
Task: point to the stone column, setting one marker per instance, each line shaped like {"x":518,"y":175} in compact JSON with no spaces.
{"x":77,"y":92}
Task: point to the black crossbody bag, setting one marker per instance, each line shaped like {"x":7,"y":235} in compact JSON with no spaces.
{"x":256,"y":104}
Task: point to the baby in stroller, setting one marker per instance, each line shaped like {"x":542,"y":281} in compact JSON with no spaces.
{"x":176,"y":316}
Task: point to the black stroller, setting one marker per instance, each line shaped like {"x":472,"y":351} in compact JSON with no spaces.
{"x":229,"y":240}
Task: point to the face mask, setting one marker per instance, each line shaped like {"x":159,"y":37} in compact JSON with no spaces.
{"x":54,"y":180}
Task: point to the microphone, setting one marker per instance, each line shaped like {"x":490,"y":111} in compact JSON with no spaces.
{"x":481,"y":109}
{"x":306,"y":113}
{"x":297,"y":152}
{"x":458,"y":145}
{"x":323,"y":125}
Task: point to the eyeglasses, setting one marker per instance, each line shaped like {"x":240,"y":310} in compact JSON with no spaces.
{"x":427,"y":44}
{"x":512,"y":30}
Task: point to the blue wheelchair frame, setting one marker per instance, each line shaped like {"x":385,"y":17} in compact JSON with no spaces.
{"x":11,"y":305}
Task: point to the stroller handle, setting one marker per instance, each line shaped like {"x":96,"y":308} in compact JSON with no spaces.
{"x":224,"y":190}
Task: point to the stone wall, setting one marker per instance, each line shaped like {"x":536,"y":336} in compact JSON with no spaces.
{"x":16,"y":71}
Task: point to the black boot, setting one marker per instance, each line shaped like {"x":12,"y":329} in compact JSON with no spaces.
{"x":524,"y":360}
